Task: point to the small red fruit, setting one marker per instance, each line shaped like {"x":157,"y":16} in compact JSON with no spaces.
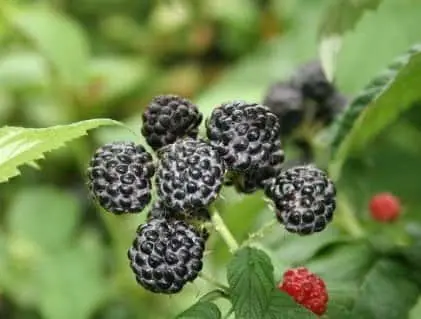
{"x":385,"y":207}
{"x":306,"y":288}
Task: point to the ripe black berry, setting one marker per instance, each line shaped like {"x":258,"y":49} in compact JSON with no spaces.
{"x":331,"y":107}
{"x":189,"y":175}
{"x":311,"y":80}
{"x":119,"y":177}
{"x":168,"y":118}
{"x":256,"y":179}
{"x":287,"y":103}
{"x":304,"y":198}
{"x":243,"y":134}
{"x":165,"y":255}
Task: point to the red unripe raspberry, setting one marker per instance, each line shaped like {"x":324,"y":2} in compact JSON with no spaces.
{"x":385,"y":207}
{"x":306,"y":288}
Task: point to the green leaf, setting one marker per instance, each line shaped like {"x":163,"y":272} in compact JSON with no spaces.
{"x":373,"y":172}
{"x":378,"y":39}
{"x":60,"y":40}
{"x":380,"y":103}
{"x":357,"y":279}
{"x":22,"y":145}
{"x":415,"y":312}
{"x":250,"y":277}
{"x":299,"y":249}
{"x":201,"y":310}
{"x":340,"y":17}
{"x":344,"y":262}
{"x":44,"y":216}
{"x":252,"y":288}
{"x":386,"y":293}
{"x":281,"y":306}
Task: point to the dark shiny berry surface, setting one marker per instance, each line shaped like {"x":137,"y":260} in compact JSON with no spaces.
{"x":305,"y":199}
{"x":189,"y":175}
{"x":168,"y":118}
{"x":119,"y":177}
{"x":165,"y":255}
{"x":243,"y":134}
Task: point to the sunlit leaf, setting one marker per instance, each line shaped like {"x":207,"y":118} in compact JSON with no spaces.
{"x":378,"y":105}
{"x":25,"y":145}
{"x":340,"y":17}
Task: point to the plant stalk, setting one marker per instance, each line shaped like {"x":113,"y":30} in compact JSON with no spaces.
{"x":222,"y":229}
{"x":346,"y":220}
{"x":260,"y":233}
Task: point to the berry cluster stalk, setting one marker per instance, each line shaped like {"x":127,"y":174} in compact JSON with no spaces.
{"x":223,"y":230}
{"x":260,"y":233}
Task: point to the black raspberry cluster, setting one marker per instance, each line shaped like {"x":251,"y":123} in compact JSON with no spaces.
{"x":307,"y":97}
{"x":242,"y":148}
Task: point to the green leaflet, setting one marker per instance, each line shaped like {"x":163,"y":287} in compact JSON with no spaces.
{"x":253,"y":289}
{"x":340,"y":17}
{"x":201,"y":310}
{"x":19,"y":145}
{"x":377,"y":106}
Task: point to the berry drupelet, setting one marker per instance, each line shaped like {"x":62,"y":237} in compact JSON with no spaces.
{"x":243,"y":134}
{"x":189,"y":176}
{"x":119,"y":176}
{"x":304,"y":197}
{"x":166,"y":254}
{"x":168,"y":118}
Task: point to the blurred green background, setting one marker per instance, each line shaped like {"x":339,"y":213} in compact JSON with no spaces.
{"x":67,"y":60}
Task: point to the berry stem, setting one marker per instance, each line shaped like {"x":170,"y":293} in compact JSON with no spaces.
{"x":345,"y":218}
{"x":260,"y":233}
{"x":213,"y":282}
{"x":223,"y":230}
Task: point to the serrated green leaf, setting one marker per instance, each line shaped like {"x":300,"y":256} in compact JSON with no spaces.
{"x":22,"y":145}
{"x":340,"y":17}
{"x":357,"y":279}
{"x":250,"y":277}
{"x":281,"y":306}
{"x":60,"y":40}
{"x":380,"y":103}
{"x":378,"y":39}
{"x":387,"y":292}
{"x":252,"y":288}
{"x":201,"y":310}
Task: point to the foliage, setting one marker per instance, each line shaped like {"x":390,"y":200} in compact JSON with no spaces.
{"x":82,"y":62}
